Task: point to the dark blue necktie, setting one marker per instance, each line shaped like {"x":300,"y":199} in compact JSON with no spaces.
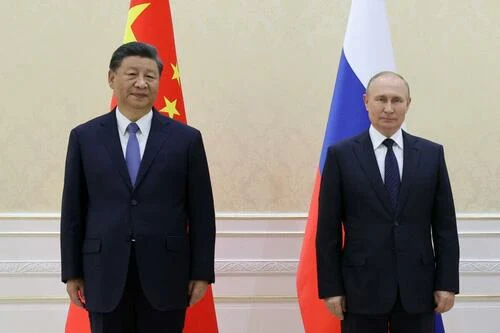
{"x":392,"y":179}
{"x":133,"y":153}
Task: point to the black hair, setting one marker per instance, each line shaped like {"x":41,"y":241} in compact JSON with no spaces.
{"x":134,"y":49}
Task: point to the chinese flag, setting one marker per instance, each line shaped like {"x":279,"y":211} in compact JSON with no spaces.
{"x":151,"y":22}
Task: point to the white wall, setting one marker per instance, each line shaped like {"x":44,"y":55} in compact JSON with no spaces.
{"x":256,"y":263}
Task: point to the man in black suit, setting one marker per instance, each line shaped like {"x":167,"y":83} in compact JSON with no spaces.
{"x":387,"y":244}
{"x":137,"y":222}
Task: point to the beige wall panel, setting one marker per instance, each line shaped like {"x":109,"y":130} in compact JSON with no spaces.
{"x":53,"y":77}
{"x":449,"y":52}
{"x":257,"y":78}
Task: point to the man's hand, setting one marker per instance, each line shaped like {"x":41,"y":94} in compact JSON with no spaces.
{"x":196,"y":291}
{"x":75,"y":291}
{"x":444,"y":300}
{"x":336,"y":305}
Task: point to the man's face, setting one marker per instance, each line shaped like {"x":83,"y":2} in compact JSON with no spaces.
{"x":135,"y":83}
{"x":387,"y":102}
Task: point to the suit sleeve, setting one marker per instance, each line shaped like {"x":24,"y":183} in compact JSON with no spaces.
{"x":73,"y":212}
{"x":201,"y":213}
{"x":329,"y":232}
{"x":444,"y":231}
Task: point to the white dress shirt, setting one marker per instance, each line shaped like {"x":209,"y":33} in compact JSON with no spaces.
{"x":142,"y":134}
{"x":380,"y":149}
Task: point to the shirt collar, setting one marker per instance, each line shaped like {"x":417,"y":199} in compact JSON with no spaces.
{"x":377,"y":137}
{"x":144,"y":122}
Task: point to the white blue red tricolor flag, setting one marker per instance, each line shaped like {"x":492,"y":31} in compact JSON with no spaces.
{"x":367,"y":50}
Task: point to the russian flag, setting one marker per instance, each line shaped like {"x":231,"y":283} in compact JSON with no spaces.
{"x":367,"y":50}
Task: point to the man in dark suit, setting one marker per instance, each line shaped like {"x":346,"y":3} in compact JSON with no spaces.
{"x":387,"y":244}
{"x":138,"y":222}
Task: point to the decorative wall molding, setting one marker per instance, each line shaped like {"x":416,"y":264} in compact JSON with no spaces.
{"x":29,"y":234}
{"x":479,"y":233}
{"x":29,"y":216}
{"x":233,"y":234}
{"x":226,"y":267}
{"x":15,"y":267}
{"x":256,"y":262}
{"x":256,"y":267}
{"x":219,"y":233}
{"x":227,"y":299}
{"x":482,"y":266}
{"x":234,"y":216}
{"x":263,"y":233}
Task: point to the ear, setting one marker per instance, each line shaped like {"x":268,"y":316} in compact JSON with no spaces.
{"x":111,"y":78}
{"x":408,"y":102}
{"x":365,"y":100}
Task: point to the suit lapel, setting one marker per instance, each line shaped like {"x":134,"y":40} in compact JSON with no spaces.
{"x":410,"y":163}
{"x":110,"y":138}
{"x":157,"y":136}
{"x":366,"y":156}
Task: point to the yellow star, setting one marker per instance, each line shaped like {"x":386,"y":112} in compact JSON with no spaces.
{"x":133,"y":14}
{"x":170,"y":108}
{"x":176,"y":75}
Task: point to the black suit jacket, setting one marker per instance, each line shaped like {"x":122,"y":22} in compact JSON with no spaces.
{"x":415,"y":247}
{"x":170,"y":213}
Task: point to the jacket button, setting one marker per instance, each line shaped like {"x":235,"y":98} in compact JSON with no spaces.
{"x":396,"y":223}
{"x":134,"y":202}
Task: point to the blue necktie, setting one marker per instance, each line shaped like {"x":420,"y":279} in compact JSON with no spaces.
{"x":392,"y":179}
{"x":133,"y":153}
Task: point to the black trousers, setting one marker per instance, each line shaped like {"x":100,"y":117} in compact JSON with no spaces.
{"x":134,"y":314}
{"x":397,"y":321}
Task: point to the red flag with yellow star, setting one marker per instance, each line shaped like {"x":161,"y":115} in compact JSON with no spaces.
{"x":151,"y":22}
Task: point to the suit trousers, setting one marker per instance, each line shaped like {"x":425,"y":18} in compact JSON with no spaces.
{"x":134,"y":314}
{"x":397,"y":321}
